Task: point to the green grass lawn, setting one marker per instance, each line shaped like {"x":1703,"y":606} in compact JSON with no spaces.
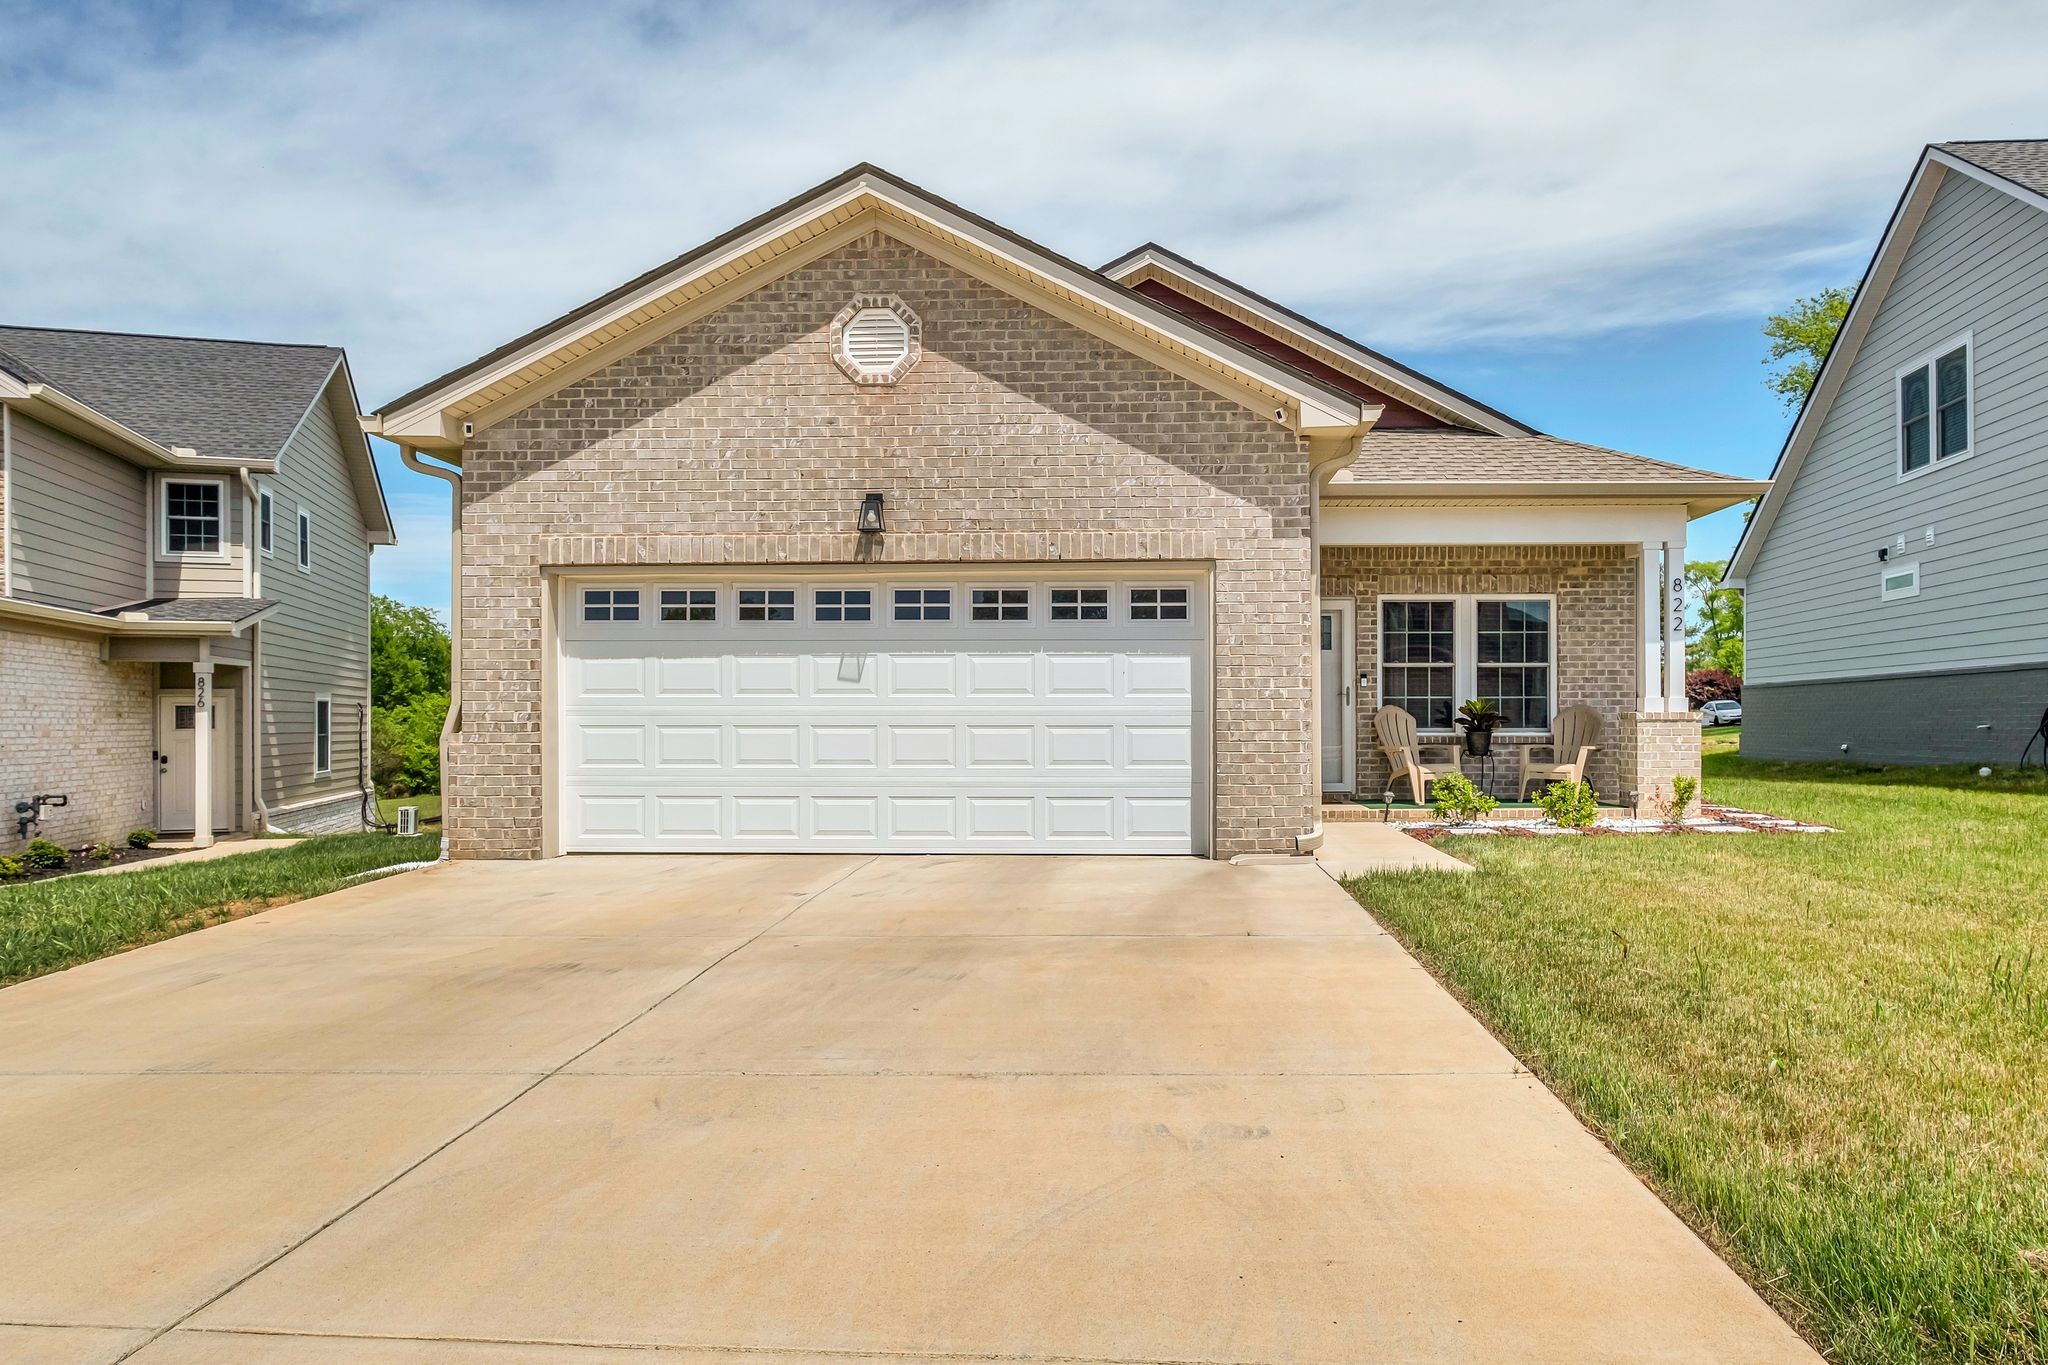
{"x":1827,"y":1052}
{"x":430,"y":807}
{"x":47,"y":926}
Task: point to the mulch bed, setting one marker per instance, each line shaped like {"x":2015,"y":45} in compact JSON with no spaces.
{"x":83,"y":861}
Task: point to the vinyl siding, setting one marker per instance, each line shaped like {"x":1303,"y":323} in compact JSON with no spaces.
{"x":1978,"y":264}
{"x":76,"y":523}
{"x":319,"y":640}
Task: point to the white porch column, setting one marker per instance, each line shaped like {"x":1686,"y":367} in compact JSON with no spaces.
{"x":1650,"y":613}
{"x":1674,"y":623}
{"x":202,"y":753}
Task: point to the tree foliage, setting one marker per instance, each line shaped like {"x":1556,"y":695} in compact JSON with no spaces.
{"x":1703,"y":685}
{"x":409,"y":689}
{"x":1713,"y":619}
{"x":1800,"y":337}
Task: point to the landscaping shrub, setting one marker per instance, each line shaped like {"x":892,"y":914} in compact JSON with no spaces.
{"x":1569,"y":804}
{"x":11,"y":866}
{"x":142,"y":838}
{"x":1457,"y":800}
{"x":41,"y":855}
{"x":103,"y":852}
{"x":1703,"y":685}
{"x":1683,"y":789}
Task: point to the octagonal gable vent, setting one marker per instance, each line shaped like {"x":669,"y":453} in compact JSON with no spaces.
{"x":875,"y":339}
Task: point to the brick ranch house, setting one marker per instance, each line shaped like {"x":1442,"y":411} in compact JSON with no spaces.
{"x":872,"y":525}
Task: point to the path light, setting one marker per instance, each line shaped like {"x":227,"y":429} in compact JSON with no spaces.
{"x":1387,"y":805}
{"x":869,"y":523}
{"x":1634,"y":797}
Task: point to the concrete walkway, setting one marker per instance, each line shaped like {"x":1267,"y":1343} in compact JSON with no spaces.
{"x":225,"y":847}
{"x":1354,"y":848}
{"x":811,"y":1109}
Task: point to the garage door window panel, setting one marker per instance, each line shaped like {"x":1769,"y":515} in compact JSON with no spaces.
{"x":1159,"y":604}
{"x":1080,"y":604}
{"x":842,"y":606}
{"x":1000,"y":604}
{"x":924,"y":604}
{"x":611,"y":604}
{"x":697,"y":606}
{"x":767,"y":605}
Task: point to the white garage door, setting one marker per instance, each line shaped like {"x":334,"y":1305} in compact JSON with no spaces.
{"x":910,"y":714}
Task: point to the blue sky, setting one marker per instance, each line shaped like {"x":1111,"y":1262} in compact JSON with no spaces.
{"x":1576,"y":212}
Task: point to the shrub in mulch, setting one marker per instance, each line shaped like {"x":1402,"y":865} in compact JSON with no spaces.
{"x":17,"y":870}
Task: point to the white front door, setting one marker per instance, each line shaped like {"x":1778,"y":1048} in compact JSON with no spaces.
{"x":918,"y":711}
{"x":176,"y":716}
{"x":1333,"y":634}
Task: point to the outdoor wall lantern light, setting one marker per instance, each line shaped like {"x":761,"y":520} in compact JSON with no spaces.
{"x":869,"y":523}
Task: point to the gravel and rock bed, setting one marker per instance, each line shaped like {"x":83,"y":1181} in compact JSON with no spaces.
{"x":1712,"y":819}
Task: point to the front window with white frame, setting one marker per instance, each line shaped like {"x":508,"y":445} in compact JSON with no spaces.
{"x":194,"y":519}
{"x":1935,"y":421}
{"x":1436,"y":653}
{"x":265,"y":537}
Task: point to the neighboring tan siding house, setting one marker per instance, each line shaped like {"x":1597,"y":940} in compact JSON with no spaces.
{"x":1896,"y":579}
{"x":872,"y":525}
{"x":132,"y":575}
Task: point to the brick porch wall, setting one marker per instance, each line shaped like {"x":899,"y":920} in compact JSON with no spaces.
{"x":74,"y":725}
{"x":1015,"y":438}
{"x":1596,"y":647}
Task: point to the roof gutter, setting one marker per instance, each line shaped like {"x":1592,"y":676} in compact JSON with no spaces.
{"x":128,"y":623}
{"x":66,"y":413}
{"x":452,"y":725}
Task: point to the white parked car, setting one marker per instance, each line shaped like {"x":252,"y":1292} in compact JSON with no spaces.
{"x":1721,"y":713}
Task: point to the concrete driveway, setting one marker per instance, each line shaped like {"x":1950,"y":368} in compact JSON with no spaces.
{"x":811,"y":1109}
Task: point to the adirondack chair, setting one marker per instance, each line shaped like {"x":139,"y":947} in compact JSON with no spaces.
{"x":1396,"y":731}
{"x":1575,"y":734}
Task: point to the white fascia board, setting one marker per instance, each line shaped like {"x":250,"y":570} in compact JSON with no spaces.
{"x":425,"y":422}
{"x":1698,"y":498}
{"x":338,"y":391}
{"x":93,"y":622}
{"x":1906,"y":218}
{"x":53,"y":407}
{"x":1991,"y":178}
{"x":1411,"y":384}
{"x":1438,"y":523}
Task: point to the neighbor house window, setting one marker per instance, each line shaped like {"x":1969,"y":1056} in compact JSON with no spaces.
{"x":924,"y":604}
{"x":1159,"y":604}
{"x":1438,"y":653}
{"x":323,"y":734}
{"x":1000,"y":604}
{"x":689,"y":604}
{"x":767,"y":604}
{"x":1899,"y":580}
{"x":1934,"y":408}
{"x":1080,"y":604}
{"x":192,"y":518}
{"x":263,"y":522}
{"x":843,"y":604}
{"x":305,"y":540}
{"x":611,"y":604}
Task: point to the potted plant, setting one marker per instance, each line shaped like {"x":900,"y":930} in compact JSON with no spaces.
{"x":1478,"y":718}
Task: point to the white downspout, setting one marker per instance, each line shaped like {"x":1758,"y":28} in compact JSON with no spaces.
{"x":252,"y":729}
{"x":449,"y":727}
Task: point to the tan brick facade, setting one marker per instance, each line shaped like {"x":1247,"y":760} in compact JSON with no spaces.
{"x":1015,"y":438}
{"x":1655,"y":747}
{"x":76,"y":726}
{"x":1597,"y":650}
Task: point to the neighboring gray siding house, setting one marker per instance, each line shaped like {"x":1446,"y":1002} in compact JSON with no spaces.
{"x":1896,"y":576}
{"x":182,"y":517}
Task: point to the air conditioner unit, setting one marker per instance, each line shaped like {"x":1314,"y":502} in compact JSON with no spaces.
{"x":408,"y":819}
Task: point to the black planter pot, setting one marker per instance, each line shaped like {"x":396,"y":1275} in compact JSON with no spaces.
{"x":1478,"y":743}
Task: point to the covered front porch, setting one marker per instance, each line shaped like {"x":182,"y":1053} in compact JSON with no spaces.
{"x":1533,"y":605}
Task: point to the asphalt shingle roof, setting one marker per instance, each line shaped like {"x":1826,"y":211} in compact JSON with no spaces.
{"x":235,"y":400}
{"x":194,"y":609}
{"x":2022,"y":161}
{"x":1478,"y":457}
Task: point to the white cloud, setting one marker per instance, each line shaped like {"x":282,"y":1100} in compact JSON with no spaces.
{"x":420,"y":183}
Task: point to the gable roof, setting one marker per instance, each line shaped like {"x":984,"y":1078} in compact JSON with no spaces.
{"x":1322,"y":344}
{"x":2008,"y":167}
{"x":195,"y":401}
{"x":819,"y":220}
{"x":1397,"y":463}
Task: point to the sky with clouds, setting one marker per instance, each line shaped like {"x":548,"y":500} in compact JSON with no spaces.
{"x":1578,"y":213}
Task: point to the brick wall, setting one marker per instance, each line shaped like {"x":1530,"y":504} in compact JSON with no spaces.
{"x":1595,"y":645}
{"x":73,"y":725}
{"x":336,"y":815}
{"x":1015,"y":438}
{"x":1655,"y":748}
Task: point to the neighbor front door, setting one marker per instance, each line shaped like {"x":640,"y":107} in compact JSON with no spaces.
{"x":1333,"y":632}
{"x":176,"y":716}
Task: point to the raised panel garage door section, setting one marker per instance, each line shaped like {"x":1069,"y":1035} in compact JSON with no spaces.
{"x":842,"y":711}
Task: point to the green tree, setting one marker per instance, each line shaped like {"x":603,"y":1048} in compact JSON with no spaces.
{"x":1800,"y":337}
{"x":408,"y":652}
{"x":409,"y":696}
{"x":1713,"y":619}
